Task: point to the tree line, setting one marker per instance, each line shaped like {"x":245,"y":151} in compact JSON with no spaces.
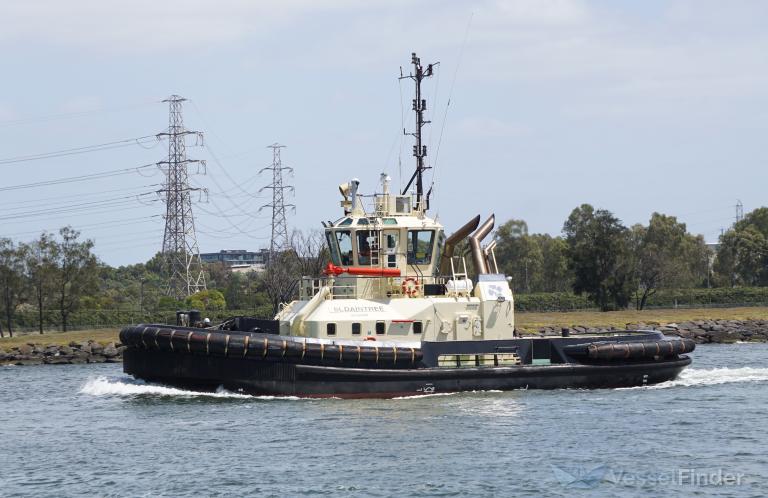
{"x":614,"y":265}
{"x":51,"y":271}
{"x":57,"y":275}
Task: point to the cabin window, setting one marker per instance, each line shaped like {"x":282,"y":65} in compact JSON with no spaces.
{"x":403,"y":205}
{"x":333,"y":248}
{"x":355,"y":328}
{"x":420,"y":244}
{"x":390,"y":246}
{"x":344,"y":240}
{"x":380,"y":328}
{"x":367,"y":247}
{"x":330,"y":328}
{"x":346,"y":222}
{"x":389,"y":221}
{"x":417,"y":327}
{"x":362,"y":221}
{"x":363,"y":248}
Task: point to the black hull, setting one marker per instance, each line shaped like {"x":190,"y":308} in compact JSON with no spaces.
{"x":207,"y":373}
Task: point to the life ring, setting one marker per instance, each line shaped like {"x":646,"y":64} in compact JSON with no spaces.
{"x":411,"y":287}
{"x":370,"y":338}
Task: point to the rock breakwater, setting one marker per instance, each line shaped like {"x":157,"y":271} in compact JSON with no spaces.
{"x":52,"y":354}
{"x":701,"y":331}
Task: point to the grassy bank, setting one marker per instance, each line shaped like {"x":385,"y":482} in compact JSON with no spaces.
{"x":531,"y":320}
{"x":103,"y":336}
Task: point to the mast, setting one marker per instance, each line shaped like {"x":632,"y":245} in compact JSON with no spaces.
{"x":419,"y":150}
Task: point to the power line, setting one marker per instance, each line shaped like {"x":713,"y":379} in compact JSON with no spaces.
{"x":54,"y":206}
{"x":81,"y":150}
{"x":76,"y":114}
{"x":128,"y":221}
{"x":80,"y":178}
{"x":450,"y":94}
{"x":86,"y":206}
{"x":79,"y":195}
{"x":99,"y":210}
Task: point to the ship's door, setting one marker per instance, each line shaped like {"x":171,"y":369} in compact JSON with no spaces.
{"x":390,"y":244}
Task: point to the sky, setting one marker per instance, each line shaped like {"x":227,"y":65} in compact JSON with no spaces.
{"x":537,"y":106}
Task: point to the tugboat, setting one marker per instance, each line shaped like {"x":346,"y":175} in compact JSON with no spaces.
{"x":397,"y":314}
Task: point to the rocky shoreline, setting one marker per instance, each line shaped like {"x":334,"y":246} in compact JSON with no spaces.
{"x":701,"y":331}
{"x":51,"y":354}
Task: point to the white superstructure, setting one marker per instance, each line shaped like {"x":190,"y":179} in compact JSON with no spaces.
{"x":386,"y":280}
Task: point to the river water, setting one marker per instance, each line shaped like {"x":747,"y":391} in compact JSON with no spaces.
{"x":90,"y":430}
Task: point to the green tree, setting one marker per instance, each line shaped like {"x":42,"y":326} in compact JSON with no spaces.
{"x":536,"y":263}
{"x":41,"y":268}
{"x":742,"y":258}
{"x":556,"y":276}
{"x":667,"y":256}
{"x":207,"y":300}
{"x":600,"y":257}
{"x":11,"y":279}
{"x":519,"y":255}
{"x":75,"y":272}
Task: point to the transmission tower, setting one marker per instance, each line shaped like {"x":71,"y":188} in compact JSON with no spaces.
{"x":739,"y":211}
{"x":180,"y":250}
{"x":279,"y":241}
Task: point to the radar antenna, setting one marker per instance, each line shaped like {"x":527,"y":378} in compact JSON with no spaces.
{"x":419,"y":150}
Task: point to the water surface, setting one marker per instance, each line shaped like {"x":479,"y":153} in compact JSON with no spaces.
{"x":74,"y":430}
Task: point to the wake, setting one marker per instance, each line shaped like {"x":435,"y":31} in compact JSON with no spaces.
{"x":693,"y":377}
{"x":128,"y":387}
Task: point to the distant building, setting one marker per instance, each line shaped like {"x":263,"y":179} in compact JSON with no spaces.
{"x":238,"y":258}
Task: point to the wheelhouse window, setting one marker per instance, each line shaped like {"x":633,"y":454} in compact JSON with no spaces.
{"x":344,"y":240}
{"x":390,"y":246}
{"x":420,"y":244}
{"x":367,"y":247}
{"x":333,"y":247}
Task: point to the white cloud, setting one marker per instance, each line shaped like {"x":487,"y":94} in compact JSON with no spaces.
{"x":148,"y":25}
